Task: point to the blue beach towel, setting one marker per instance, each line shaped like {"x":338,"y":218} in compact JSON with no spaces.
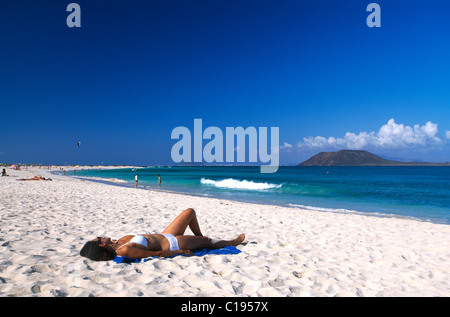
{"x":198,"y":252}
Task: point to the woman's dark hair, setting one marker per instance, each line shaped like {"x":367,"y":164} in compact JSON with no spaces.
{"x":93,"y":251}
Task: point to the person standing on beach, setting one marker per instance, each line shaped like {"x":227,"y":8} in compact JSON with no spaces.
{"x":159,"y":180}
{"x":136,"y":179}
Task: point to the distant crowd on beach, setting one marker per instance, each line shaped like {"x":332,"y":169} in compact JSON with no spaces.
{"x":12,"y":166}
{"x":18,"y":167}
{"x":34,"y":178}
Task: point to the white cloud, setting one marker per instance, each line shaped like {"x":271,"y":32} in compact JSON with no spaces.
{"x":285,"y":147}
{"x":447,"y":134}
{"x":390,"y":135}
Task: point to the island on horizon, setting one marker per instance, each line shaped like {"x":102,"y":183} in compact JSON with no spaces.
{"x":358,"y":158}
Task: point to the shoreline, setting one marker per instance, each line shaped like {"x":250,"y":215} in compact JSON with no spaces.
{"x":377,"y":214}
{"x":289,"y":251}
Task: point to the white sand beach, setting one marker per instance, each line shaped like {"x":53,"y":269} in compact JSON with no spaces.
{"x":288,"y":251}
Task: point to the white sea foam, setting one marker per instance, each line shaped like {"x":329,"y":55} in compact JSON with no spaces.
{"x":237,"y":184}
{"x":103,"y":179}
{"x":349,"y":211}
{"x":323,"y":208}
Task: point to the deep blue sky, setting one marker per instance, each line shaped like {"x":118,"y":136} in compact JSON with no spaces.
{"x":135,"y":70}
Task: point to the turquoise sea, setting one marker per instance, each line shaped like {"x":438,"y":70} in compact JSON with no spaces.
{"x":421,"y":193}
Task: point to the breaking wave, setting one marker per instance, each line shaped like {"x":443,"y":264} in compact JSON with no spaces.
{"x":237,"y":184}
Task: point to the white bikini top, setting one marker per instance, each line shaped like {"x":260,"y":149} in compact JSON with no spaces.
{"x":139,"y":239}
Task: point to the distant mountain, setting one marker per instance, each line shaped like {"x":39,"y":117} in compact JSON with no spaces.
{"x":358,"y":158}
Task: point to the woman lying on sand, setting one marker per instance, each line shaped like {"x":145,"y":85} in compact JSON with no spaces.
{"x":35,"y":178}
{"x":171,"y":241}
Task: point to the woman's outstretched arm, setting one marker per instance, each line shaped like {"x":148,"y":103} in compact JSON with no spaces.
{"x":136,"y":253}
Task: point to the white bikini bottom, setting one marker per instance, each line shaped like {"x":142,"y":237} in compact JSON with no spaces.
{"x":173,"y":242}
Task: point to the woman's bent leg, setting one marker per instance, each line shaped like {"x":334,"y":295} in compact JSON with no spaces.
{"x":187,"y":218}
